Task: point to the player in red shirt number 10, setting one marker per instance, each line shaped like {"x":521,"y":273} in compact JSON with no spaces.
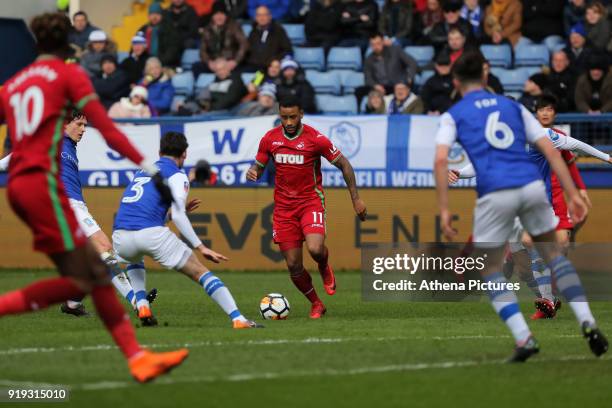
{"x":299,"y":200}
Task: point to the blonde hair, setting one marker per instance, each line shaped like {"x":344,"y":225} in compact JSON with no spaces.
{"x":151,"y":61}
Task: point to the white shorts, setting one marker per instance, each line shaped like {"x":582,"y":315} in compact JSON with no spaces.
{"x":515,"y":242}
{"x":495,"y":214}
{"x":159,"y":243}
{"x":84,"y":218}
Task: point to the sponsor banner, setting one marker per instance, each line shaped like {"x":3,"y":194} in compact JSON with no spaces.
{"x":238,"y":223}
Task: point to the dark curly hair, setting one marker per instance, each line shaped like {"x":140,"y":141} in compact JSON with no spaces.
{"x":51,"y":33}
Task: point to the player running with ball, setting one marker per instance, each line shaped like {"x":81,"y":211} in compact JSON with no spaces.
{"x":34,"y":103}
{"x":494,"y":130}
{"x":299,"y":200}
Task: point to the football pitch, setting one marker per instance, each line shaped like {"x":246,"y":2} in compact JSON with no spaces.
{"x":360,"y":355}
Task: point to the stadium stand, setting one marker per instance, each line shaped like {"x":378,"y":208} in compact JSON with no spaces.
{"x":331,"y":104}
{"x":344,"y":58}
{"x":310,"y":57}
{"x":498,"y":55}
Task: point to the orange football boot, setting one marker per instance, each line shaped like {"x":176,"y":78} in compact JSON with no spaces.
{"x":317,"y":310}
{"x":146,"y":365}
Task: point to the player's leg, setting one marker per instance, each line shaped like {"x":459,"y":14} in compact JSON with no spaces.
{"x":540,"y":221}
{"x":292,"y":252}
{"x":493,"y":224}
{"x":313,"y":225}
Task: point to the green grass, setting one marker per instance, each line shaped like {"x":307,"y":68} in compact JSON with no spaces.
{"x":361,"y":354}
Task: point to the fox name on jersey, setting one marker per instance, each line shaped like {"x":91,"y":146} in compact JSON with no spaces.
{"x":141,"y":205}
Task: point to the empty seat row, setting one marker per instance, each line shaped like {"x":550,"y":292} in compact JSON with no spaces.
{"x":524,"y":55}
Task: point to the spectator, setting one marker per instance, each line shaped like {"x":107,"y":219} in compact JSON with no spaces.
{"x":577,"y":50}
{"x":432,"y":15}
{"x":183,"y":19}
{"x":493,"y":83}
{"x":225,"y":92}
{"x":133,"y":107}
{"x":456,"y":44}
{"x":597,"y":25}
{"x":542,"y":19}
{"x":159,"y":87}
{"x":294,"y":85}
{"x":272,"y":75}
{"x":97,"y":47}
{"x":222,"y":39}
{"x":437,"y":92}
{"x":573,"y":13}
{"x":81,"y":28}
{"x":277,"y":8}
{"x":386,"y":66}
{"x":112,"y":84}
{"x":404,"y":101}
{"x":438,"y":35}
{"x":503,"y":20}
{"x":267,"y":41}
{"x":163,"y":41}
{"x":534,"y":87}
{"x":359,"y":19}
{"x":236,"y":9}
{"x":395,"y":21}
{"x":594,"y":88}
{"x":376,"y":103}
{"x":133,"y":66}
{"x":472,"y":13}
{"x":264,"y":105}
{"x":562,"y":81}
{"x":323,"y":24}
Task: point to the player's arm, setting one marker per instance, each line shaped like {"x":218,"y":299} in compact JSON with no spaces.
{"x":179,"y":185}
{"x":570,"y":160}
{"x":349,"y":177}
{"x":564,"y":142}
{"x":258,"y":167}
{"x":445,"y":137}
{"x":465,"y":172}
{"x":4,"y":163}
{"x":536,"y":135}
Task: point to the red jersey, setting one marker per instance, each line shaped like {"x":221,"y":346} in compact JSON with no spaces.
{"x":35,"y":102}
{"x":298,"y":163}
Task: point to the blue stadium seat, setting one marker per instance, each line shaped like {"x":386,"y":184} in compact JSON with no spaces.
{"x":296,"y":33}
{"x":498,"y":55}
{"x":176,"y":101}
{"x":203,"y":81}
{"x":531,"y":70}
{"x":421,"y":78}
{"x":344,"y":58}
{"x":310,"y":57}
{"x":513,"y":80}
{"x":324,"y":82}
{"x":337,"y":104}
{"x":247,"y":28}
{"x":247,"y":77}
{"x":531,"y":55}
{"x":423,"y":54}
{"x":558,"y":47}
{"x":183,"y":83}
{"x":351,"y":81}
{"x":514,"y":95}
{"x":122,"y":55}
{"x":190,"y":55}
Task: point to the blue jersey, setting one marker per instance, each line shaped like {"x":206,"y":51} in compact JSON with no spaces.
{"x":70,"y":170}
{"x":141,"y":205}
{"x":494,"y":131}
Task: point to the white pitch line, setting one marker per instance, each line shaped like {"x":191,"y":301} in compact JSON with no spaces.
{"x":310,"y":340}
{"x":245,"y":377}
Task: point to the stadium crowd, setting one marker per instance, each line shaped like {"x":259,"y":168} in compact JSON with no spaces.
{"x":240,"y":56}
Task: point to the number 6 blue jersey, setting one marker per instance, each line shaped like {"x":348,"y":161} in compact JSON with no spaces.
{"x":494,"y":131}
{"x":141,"y":205}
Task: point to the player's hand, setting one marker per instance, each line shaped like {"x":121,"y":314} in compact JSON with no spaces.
{"x":161,"y":184}
{"x":252,"y":175}
{"x":360,"y":209}
{"x":445,"y":221}
{"x":577,"y":208}
{"x":193,"y":205}
{"x":212,"y":255}
{"x":587,"y":200}
{"x":453,"y":176}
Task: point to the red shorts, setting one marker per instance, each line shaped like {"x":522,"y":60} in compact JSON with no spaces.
{"x":40,"y":201}
{"x":291,"y":225}
{"x":560,"y":208}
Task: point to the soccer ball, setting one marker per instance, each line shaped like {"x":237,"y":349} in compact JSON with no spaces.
{"x":274,"y":307}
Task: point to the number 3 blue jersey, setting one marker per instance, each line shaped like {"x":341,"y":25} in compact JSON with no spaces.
{"x":141,"y":205}
{"x":494,"y":131}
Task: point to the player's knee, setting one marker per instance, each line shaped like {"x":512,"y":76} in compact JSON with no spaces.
{"x":295,"y":268}
{"x":316,"y":250}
